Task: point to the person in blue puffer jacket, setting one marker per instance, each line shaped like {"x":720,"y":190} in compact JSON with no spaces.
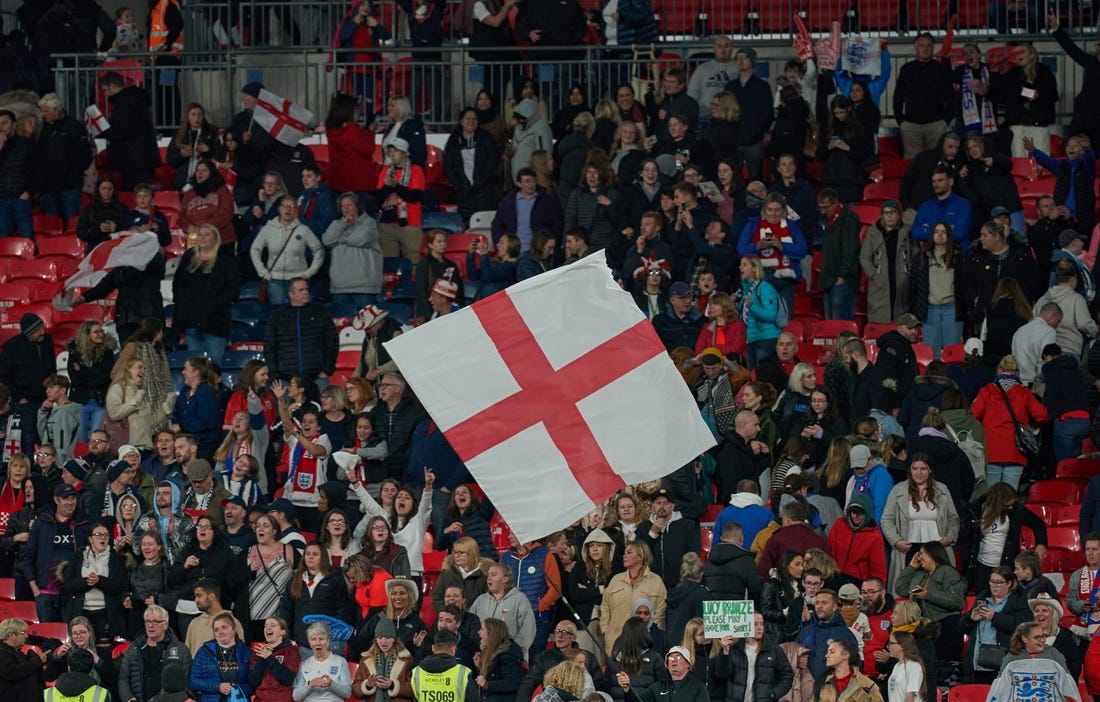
{"x":221,"y":664}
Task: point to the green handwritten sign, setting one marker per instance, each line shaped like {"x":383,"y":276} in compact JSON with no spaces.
{"x":728,"y":618}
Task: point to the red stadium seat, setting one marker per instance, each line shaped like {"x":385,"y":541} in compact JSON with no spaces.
{"x":823,"y":336}
{"x":1066,"y":538}
{"x":50,"y":630}
{"x":678,"y":16}
{"x":795,"y":327}
{"x":1057,"y":559}
{"x":954,"y":353}
{"x":927,"y":14}
{"x":1024,"y":167}
{"x":19,"y":610}
{"x":868,"y":214}
{"x":1078,"y":468}
{"x":874,"y":330}
{"x":31,"y":270}
{"x":12,"y":294}
{"x":923,"y":353}
{"x":886,"y":190}
{"x":167,"y":200}
{"x":968,"y":693}
{"x":17,"y":247}
{"x":70,"y":246}
{"x":878,"y":14}
{"x":48,"y":225}
{"x":1067,"y":491}
{"x":1065,"y":516}
{"x":7,"y":588}
{"x":706,"y":537}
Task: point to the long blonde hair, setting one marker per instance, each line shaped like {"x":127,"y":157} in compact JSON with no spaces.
{"x":836,"y":466}
{"x":120,"y":376}
{"x":91,"y":352}
{"x":207,"y":265}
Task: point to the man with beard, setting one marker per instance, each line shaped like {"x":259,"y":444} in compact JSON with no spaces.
{"x":878,"y":604}
{"x":169,"y":520}
{"x":669,"y":536}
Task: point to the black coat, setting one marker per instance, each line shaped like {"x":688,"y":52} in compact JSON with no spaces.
{"x":24,"y":365}
{"x":217,"y":563}
{"x":114,"y":586}
{"x":789,"y":131}
{"x":132,"y":136}
{"x":982,"y":273}
{"x":175,"y":158}
{"x":21,"y":674}
{"x":684,"y":603}
{"x":89,"y":380}
{"x":330,"y":597}
{"x":138,"y":291}
{"x":731,"y":574}
{"x":96,"y":213}
{"x":897,"y":360}
{"x":778,"y":625}
{"x":677,"y":538}
{"x":484,"y":192}
{"x":773,"y":672}
{"x":319,"y":342}
{"x":63,"y":155}
{"x":17,"y":167}
{"x":203,"y":300}
{"x":989,"y":186}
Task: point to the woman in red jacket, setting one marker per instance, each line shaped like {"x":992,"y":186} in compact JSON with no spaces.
{"x":208,"y":201}
{"x":724,"y":329}
{"x":990,"y":407}
{"x":350,"y":148}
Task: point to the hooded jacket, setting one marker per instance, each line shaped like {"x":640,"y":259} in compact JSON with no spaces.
{"x":132,"y":137}
{"x":927,"y":392}
{"x":472,"y":582}
{"x":583,"y":591}
{"x":730,"y":573}
{"x":677,"y":538}
{"x":858,"y":549}
{"x":772,"y":678}
{"x":178,"y":526}
{"x":529,"y":138}
{"x":1076,"y":319}
{"x":748,"y":510}
{"x":514,"y":610}
{"x":816,"y":635}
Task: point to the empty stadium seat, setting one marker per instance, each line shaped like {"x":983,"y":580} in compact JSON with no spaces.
{"x":886,"y":190}
{"x":48,"y":225}
{"x":1066,"y":491}
{"x":1083,"y":467}
{"x":1057,"y":559}
{"x":868,"y":214}
{"x":7,"y":588}
{"x":19,"y":610}
{"x":1066,"y":538}
{"x":954,"y":353}
{"x":249,"y":312}
{"x":923,"y":352}
{"x":17,"y":247}
{"x":237,"y":359}
{"x":12,"y":294}
{"x":482,"y":222}
{"x":968,"y":693}
{"x":38,"y":269}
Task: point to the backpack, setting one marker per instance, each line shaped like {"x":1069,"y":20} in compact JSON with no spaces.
{"x":973,"y":449}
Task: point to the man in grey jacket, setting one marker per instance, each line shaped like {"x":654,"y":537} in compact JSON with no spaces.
{"x":59,"y":417}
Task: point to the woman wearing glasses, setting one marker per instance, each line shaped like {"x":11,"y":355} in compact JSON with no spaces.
{"x":999,"y":609}
{"x":92,"y":583}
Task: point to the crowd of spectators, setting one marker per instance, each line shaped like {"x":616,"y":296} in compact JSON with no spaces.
{"x":244,"y":539}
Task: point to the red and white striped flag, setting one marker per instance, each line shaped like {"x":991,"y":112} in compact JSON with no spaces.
{"x":282,"y":119}
{"x":556,"y":393}
{"x":134,"y":250}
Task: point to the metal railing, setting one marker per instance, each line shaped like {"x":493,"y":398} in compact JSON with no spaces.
{"x":439,"y":86}
{"x":214,"y":25}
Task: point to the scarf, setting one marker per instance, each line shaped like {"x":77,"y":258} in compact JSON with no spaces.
{"x":158,"y":382}
{"x":403,"y":179}
{"x":770,"y":258}
{"x":1086,"y":589}
{"x":395,"y":201}
{"x":970,"y":110}
{"x":382,"y":666}
{"x":11,"y":501}
{"x":906,"y":627}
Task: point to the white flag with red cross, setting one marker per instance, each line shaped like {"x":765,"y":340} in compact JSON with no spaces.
{"x":282,"y":119}
{"x":556,"y":393}
{"x":95,"y":120}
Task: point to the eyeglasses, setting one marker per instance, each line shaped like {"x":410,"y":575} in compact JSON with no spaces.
{"x":388,"y":385}
{"x":99,"y":441}
{"x":44,"y":454}
{"x":100,"y":534}
{"x":564,"y":632}
{"x":337,"y":521}
{"x":807,"y":583}
{"x":997,"y":582}
{"x":155,"y":621}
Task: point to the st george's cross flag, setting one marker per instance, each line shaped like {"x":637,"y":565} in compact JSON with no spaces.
{"x":283,"y":120}
{"x":134,"y":250}
{"x":556,"y":393}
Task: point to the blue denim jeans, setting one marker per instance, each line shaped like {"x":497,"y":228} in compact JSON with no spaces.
{"x":1068,"y":435}
{"x":91,"y":418}
{"x":941,"y":328}
{"x":359,"y":300}
{"x":199,"y":342}
{"x":840,"y":302}
{"x":276,"y":292}
{"x":16,"y":216}
{"x":1004,"y":473}
{"x":65,"y":204}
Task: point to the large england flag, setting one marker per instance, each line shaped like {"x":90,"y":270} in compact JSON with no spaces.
{"x":556,"y":393}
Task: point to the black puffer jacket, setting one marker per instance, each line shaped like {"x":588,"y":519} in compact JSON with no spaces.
{"x":63,"y":155}
{"x":397,"y":428}
{"x":96,"y":213}
{"x":484,"y":191}
{"x":317,"y":349}
{"x":132,"y":136}
{"x":22,"y":674}
{"x":989,"y":186}
{"x":202,"y":300}
{"x":138,"y":291}
{"x":731,"y":574}
{"x":17,"y":166}
{"x":74,"y":587}
{"x":773,"y":672}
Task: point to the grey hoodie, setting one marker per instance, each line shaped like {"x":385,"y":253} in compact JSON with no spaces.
{"x":355,"y":254}
{"x":1076,"y":319}
{"x":514,"y":610}
{"x":535,"y":136}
